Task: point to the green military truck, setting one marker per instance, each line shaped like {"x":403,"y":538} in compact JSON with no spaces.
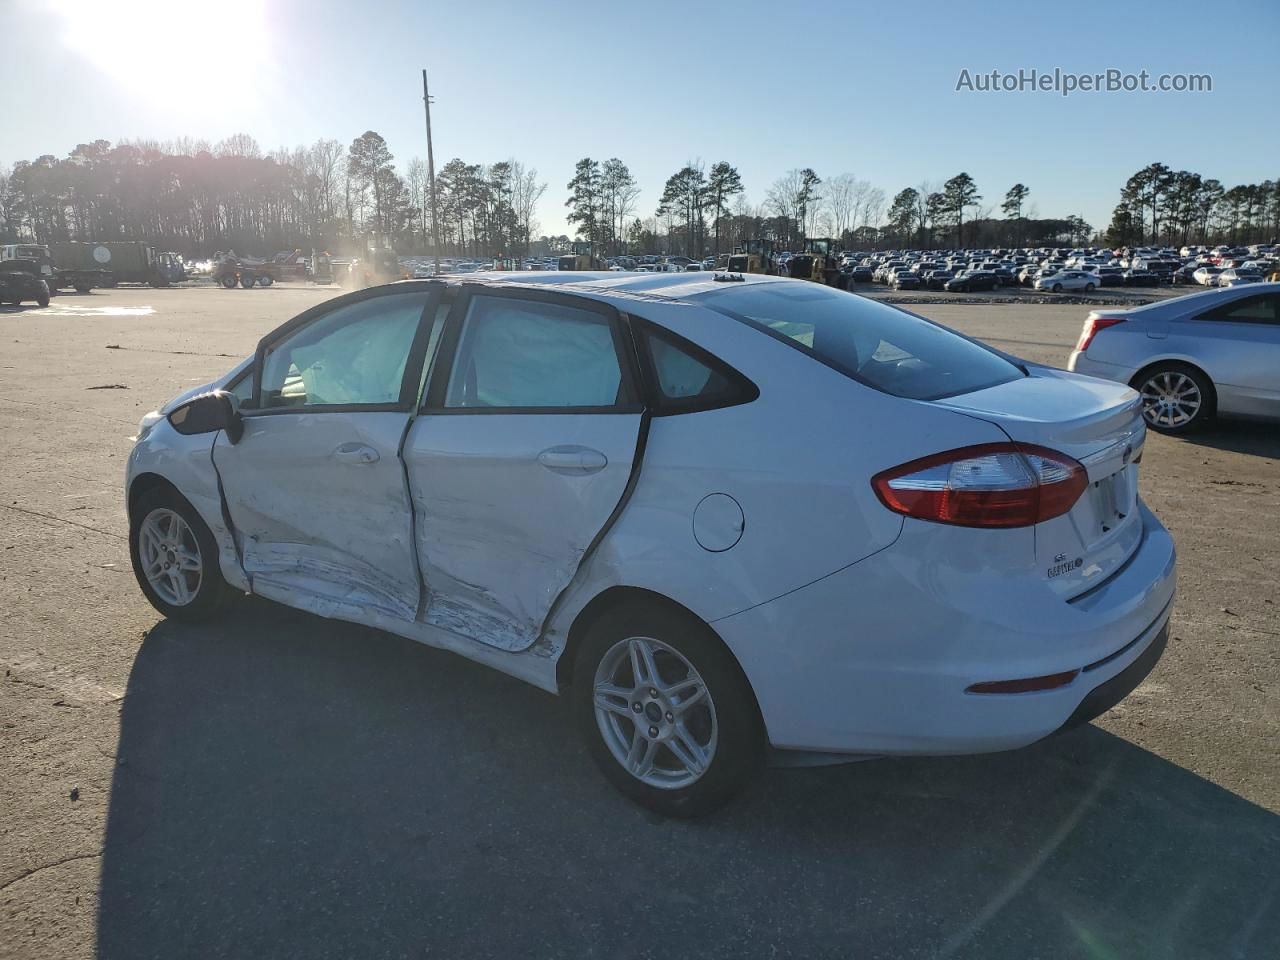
{"x":121,"y":261}
{"x":36,"y":258}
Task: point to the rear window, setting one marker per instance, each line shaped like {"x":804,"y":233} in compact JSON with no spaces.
{"x":874,"y":343}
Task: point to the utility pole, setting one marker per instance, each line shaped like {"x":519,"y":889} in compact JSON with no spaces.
{"x":431,"y":176}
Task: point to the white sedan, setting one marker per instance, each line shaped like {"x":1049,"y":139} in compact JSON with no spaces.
{"x":1239,"y":277}
{"x":1067,"y":280}
{"x":719,"y":512}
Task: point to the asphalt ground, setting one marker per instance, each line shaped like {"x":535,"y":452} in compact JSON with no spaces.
{"x":278,"y":785}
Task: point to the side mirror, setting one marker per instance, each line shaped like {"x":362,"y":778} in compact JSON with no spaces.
{"x":208,"y":412}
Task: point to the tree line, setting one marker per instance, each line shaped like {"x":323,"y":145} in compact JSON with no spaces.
{"x":1159,"y":205}
{"x":196,"y":197}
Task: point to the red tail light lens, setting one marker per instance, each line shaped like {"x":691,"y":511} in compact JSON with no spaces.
{"x":1092,"y":324}
{"x":989,"y":485}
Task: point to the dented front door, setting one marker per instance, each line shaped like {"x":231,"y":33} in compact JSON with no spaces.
{"x":315,"y":487}
{"x":520,"y":457}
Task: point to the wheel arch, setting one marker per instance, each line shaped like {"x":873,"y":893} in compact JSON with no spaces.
{"x":1174,"y":361}
{"x":145,"y":483}
{"x":612,"y":597}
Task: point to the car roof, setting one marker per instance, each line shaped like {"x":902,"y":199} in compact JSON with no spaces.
{"x":672,"y":287}
{"x":1177,"y":306}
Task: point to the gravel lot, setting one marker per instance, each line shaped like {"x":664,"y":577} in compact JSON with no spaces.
{"x":281,"y":785}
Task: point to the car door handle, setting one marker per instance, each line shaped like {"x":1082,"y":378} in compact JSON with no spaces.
{"x":573,"y":459}
{"x":352,"y":452}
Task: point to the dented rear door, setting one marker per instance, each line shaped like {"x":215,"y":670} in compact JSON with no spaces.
{"x":520,"y":456}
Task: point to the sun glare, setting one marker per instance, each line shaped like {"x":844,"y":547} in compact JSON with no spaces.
{"x":161,"y":50}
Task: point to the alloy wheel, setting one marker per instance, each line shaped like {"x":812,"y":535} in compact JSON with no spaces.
{"x":1170,"y":399}
{"x":170,"y":557}
{"x":655,"y":713}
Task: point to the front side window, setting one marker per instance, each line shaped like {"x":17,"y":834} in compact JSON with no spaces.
{"x":516,"y":353}
{"x":876,"y":344}
{"x":353,"y":355}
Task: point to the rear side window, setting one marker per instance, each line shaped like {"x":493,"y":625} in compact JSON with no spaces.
{"x":875,"y":344}
{"x":1262,"y":309}
{"x":686,"y":378}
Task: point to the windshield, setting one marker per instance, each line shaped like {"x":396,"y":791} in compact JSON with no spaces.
{"x":874,"y":343}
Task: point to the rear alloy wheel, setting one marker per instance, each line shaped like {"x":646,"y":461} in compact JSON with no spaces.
{"x":1056,"y":288}
{"x":666,"y":712}
{"x":1175,"y":398}
{"x":175,"y":557}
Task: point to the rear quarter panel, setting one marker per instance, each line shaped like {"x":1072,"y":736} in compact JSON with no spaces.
{"x":798,"y":461}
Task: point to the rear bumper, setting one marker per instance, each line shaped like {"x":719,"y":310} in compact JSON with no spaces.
{"x":1106,"y":695}
{"x":877,"y":658}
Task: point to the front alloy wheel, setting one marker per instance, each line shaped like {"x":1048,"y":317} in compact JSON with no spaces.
{"x":170,"y":557}
{"x":175,"y":557}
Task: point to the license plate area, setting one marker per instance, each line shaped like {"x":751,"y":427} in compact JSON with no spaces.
{"x":1113,"y":501}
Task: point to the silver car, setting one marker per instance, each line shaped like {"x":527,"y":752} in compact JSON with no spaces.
{"x":1215,"y":353}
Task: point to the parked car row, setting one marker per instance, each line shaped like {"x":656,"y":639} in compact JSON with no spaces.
{"x":1058,"y":270}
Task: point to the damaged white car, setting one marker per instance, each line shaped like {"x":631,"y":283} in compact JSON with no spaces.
{"x":722,"y":513}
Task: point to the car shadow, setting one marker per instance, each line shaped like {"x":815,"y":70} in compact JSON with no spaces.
{"x":1253,"y":437}
{"x":291,"y":786}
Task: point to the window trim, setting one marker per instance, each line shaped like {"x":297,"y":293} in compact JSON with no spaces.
{"x":742,"y":389}
{"x":409,"y":380}
{"x":624,"y":351}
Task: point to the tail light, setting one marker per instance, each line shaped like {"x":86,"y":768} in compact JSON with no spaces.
{"x":1092,"y":324}
{"x":988,"y":485}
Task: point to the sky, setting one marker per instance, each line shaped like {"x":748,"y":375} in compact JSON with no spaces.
{"x":839,"y":87}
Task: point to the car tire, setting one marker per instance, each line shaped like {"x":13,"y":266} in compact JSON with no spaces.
{"x":265,"y":281}
{"x":43,"y":300}
{"x":1088,"y":288}
{"x":247,"y":282}
{"x":229,"y":282}
{"x":1056,"y":288}
{"x":1177,"y":398}
{"x":82,"y":288}
{"x":165,"y":529}
{"x":722,"y":724}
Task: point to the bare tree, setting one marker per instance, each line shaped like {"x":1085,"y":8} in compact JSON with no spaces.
{"x":417,"y":181}
{"x":325,"y":163}
{"x":841,"y":192}
{"x":873,"y":207}
{"x":238,"y":145}
{"x":923,"y":211}
{"x":526,"y":191}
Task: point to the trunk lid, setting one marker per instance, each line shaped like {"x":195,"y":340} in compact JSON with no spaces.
{"x":1098,"y":423}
